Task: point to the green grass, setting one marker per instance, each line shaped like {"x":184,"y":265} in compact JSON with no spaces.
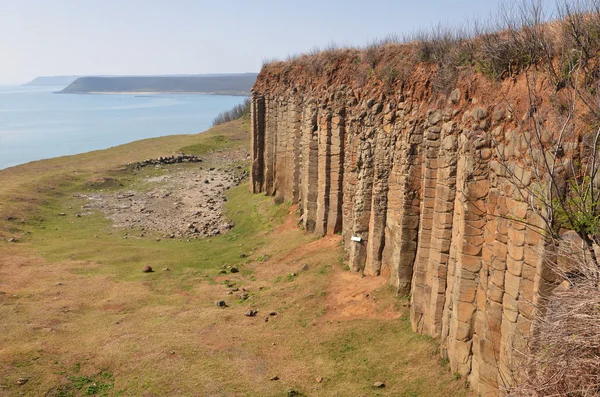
{"x":92,"y":238}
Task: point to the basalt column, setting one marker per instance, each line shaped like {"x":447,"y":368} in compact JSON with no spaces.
{"x":270,"y":153}
{"x":404,"y":206}
{"x":361,"y":206}
{"x":466,"y":267}
{"x":323,"y":172}
{"x":421,"y":291}
{"x":309,"y":166}
{"x":432,"y":303}
{"x":336,"y":182}
{"x":257,"y":146}
{"x":384,"y":144}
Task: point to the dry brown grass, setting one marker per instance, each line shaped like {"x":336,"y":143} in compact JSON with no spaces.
{"x":565,"y":350}
{"x":78,"y":315}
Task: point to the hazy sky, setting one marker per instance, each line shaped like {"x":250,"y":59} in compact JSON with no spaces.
{"x":86,"y":37}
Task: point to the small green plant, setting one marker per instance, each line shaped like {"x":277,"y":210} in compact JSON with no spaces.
{"x":456,"y":376}
{"x":99,"y":384}
{"x":290,"y":277}
{"x":325,"y":269}
{"x":444,"y":362}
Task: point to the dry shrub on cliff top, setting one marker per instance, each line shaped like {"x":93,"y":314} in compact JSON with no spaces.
{"x":237,"y":112}
{"x":564,"y":359}
{"x":518,"y":37}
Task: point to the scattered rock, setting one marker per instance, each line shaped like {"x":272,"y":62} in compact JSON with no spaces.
{"x":234,"y":270}
{"x":62,"y":214}
{"x":266,"y":319}
{"x":180,"y":158}
{"x":220,"y":303}
{"x":318,"y":379}
{"x":272,"y":313}
{"x":292,"y":393}
{"x":244,"y":296}
{"x":12,"y":240}
{"x":305,"y":267}
{"x":251,"y":313}
{"x":274,"y":377}
{"x":166,"y":269}
{"x":147,"y":269}
{"x":22,"y":381}
{"x":243,"y":255}
{"x":378,"y":385}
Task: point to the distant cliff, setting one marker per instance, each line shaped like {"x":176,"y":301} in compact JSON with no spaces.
{"x":52,"y":81}
{"x":233,"y":84}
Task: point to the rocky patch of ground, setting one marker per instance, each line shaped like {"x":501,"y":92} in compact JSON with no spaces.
{"x":186,"y":203}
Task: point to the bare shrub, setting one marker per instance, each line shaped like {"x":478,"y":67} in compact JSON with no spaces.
{"x":564,"y":356}
{"x":237,"y":112}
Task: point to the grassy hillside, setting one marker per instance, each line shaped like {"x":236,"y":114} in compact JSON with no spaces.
{"x":80,"y":318}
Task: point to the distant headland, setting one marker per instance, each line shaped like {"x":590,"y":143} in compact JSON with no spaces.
{"x":222,"y":84}
{"x":52,"y":81}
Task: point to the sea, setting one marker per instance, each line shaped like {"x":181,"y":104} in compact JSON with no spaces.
{"x":36,"y":123}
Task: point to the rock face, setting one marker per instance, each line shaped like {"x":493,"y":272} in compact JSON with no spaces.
{"x":409,"y":178}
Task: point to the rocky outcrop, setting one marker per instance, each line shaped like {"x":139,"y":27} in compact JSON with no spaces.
{"x":409,"y":178}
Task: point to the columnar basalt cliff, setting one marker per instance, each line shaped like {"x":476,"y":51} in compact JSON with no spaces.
{"x":409,"y":177}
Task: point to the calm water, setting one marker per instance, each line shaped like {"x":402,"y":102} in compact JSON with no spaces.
{"x":37,"y":124}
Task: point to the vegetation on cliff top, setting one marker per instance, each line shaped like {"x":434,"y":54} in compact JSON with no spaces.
{"x":237,"y":112}
{"x":520,"y":36}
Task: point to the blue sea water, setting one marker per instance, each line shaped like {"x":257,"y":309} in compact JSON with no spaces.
{"x":36,"y":124}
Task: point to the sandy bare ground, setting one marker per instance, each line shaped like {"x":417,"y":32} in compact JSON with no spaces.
{"x":184,"y":203}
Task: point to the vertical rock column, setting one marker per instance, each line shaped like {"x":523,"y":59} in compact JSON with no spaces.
{"x":296,"y":147}
{"x":282,"y":153}
{"x":517,"y":292}
{"x":336,"y":183}
{"x":324,"y":172}
{"x":488,"y":318}
{"x":309,"y":173}
{"x":379,"y":201}
{"x":270,"y":145}
{"x":421,"y":292}
{"x":441,"y":236}
{"x":257,"y":116}
{"x":361,"y":208}
{"x":350,"y":182}
{"x":472,"y":191}
{"x":404,"y":207}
